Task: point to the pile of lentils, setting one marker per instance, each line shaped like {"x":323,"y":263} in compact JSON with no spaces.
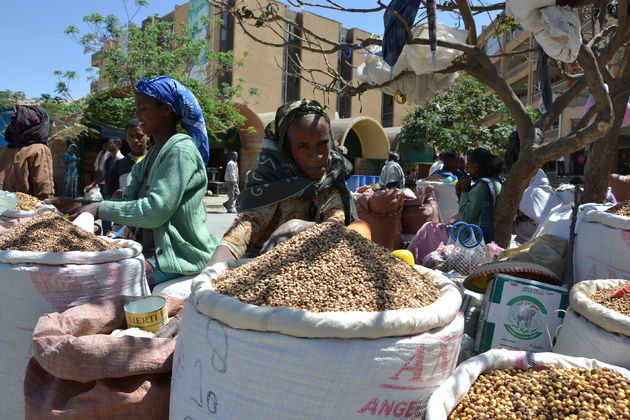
{"x":605,"y":297}
{"x":25,"y":201}
{"x":620,"y":209}
{"x":554,"y":393}
{"x":51,"y":233}
{"x":329,"y":268}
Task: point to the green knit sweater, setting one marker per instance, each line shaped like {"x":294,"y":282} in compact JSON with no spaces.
{"x":171,"y":204}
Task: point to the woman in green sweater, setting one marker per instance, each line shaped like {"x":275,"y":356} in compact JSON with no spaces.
{"x":164,"y":201}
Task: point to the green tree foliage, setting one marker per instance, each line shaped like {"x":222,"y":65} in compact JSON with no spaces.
{"x":452,"y":120}
{"x":128,"y":52}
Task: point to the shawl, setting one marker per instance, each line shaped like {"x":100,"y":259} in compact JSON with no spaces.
{"x":28,"y":125}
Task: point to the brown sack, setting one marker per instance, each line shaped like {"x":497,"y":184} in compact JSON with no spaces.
{"x":386,"y":228}
{"x":620,"y":185}
{"x":85,"y":373}
{"x":416,"y":212}
{"x":383,"y":201}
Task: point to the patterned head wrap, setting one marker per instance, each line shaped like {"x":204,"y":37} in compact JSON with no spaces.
{"x":185,"y":105}
{"x":29,"y":125}
{"x":290,"y":112}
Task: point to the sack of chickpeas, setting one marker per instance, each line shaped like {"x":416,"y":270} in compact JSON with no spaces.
{"x":328,"y":325}
{"x":505,"y":384}
{"x":39,"y":274}
{"x":597,"y":323}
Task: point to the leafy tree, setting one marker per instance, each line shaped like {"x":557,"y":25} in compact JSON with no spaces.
{"x":128,"y":52}
{"x":451,"y":120}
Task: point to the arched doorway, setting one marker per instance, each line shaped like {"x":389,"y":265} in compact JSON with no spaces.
{"x":366,"y":143}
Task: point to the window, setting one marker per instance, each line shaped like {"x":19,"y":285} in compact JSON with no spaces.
{"x":292,"y":54}
{"x":493,"y":45}
{"x":513,"y":34}
{"x":226,"y":43}
{"x":387,"y":110}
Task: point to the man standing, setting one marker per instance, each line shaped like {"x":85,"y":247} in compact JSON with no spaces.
{"x":392,"y":175}
{"x":231,"y":179}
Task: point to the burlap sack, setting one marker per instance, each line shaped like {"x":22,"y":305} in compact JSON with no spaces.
{"x":620,"y":185}
{"x":87,"y":374}
{"x":417,"y":212}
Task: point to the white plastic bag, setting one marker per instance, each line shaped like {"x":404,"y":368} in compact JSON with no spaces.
{"x":8,"y":201}
{"x":283,"y":363}
{"x":94,"y":194}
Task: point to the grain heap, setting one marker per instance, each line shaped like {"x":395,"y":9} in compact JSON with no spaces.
{"x":568,"y":393}
{"x":605,"y":297}
{"x":329,"y":268}
{"x":25,"y":202}
{"x":620,"y":209}
{"x":51,"y":233}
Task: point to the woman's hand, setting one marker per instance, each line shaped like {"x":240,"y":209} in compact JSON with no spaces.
{"x":465,"y":182}
{"x":89,"y":187}
{"x":91,"y":208}
{"x":64,"y":204}
{"x":284,"y":232}
{"x":118,"y":194}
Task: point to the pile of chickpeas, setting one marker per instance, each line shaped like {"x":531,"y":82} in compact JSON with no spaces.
{"x":551,"y":393}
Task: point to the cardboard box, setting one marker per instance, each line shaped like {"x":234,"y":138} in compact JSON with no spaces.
{"x":516,"y":314}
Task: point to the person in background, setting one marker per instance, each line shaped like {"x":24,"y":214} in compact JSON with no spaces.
{"x":560,"y":165}
{"x":451,"y":167}
{"x":392,"y":175}
{"x":538,"y":198}
{"x":300,"y":181}
{"x":119,"y":174}
{"x":26,"y":163}
{"x":163,"y":203}
{"x":99,"y":162}
{"x":113,"y":148}
{"x":71,"y":179}
{"x":231,"y":179}
{"x":437,"y":165}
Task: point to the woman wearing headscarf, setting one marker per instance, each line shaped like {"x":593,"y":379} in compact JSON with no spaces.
{"x":164,"y":199}
{"x":300,"y":181}
{"x":71,"y":179}
{"x":26,"y":162}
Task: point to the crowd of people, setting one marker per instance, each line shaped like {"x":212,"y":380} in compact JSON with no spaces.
{"x":154,"y":194}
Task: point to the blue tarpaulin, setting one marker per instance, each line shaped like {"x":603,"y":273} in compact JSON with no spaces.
{"x":5,"y":118}
{"x":395,"y":35}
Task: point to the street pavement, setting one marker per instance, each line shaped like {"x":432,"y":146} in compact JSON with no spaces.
{"x":218,"y":220}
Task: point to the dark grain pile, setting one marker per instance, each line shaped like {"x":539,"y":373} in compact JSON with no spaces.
{"x":329,"y":268}
{"x":51,"y":233}
{"x":620,"y":209}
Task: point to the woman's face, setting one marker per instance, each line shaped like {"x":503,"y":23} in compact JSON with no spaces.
{"x":473,"y":169}
{"x":151,"y":113}
{"x":309,"y":145}
{"x":137,"y":141}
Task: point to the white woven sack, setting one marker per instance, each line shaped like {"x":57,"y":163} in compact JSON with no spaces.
{"x":602,"y":247}
{"x":581,"y":338}
{"x":454,"y":389}
{"x":36,"y":283}
{"x":179,"y":287}
{"x":558,"y":221}
{"x":446,"y":198}
{"x":227,"y":373}
{"x":592,"y":330}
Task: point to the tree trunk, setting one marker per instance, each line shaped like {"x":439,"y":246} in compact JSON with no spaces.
{"x":601,"y":154}
{"x":507,"y":204}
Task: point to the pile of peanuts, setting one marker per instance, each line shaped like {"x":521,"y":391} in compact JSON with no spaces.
{"x":25,"y":201}
{"x":554,"y":393}
{"x":51,"y":233}
{"x":329,"y":268}
{"x":620,"y":304}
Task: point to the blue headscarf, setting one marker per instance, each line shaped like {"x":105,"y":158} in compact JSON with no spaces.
{"x":185,"y":105}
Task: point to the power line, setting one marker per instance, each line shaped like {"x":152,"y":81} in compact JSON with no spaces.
{"x":31,"y":28}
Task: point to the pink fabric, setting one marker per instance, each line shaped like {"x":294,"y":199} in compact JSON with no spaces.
{"x":427,"y":239}
{"x":591,"y":101}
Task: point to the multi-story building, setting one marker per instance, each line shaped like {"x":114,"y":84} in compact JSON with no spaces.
{"x":359,"y":121}
{"x":521,"y":73}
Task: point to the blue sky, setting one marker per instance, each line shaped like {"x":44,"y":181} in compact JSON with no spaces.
{"x":34,"y":45}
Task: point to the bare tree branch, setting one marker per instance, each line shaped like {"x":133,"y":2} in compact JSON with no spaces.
{"x":469,"y":20}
